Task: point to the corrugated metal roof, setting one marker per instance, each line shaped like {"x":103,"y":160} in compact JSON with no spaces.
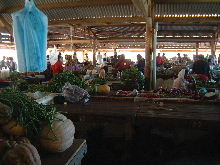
{"x":92,"y":12}
{"x":125,"y":10}
{"x":187,"y":8}
{"x":17,"y":3}
{"x":87,"y":12}
{"x":119,"y":10}
{"x":186,"y":27}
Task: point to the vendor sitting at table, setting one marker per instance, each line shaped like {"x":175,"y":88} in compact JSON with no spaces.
{"x":71,"y":65}
{"x":201,"y":66}
{"x":122,"y":64}
{"x":58,"y":66}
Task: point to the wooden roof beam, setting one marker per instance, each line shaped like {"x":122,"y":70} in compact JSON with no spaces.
{"x":105,"y":20}
{"x":184,"y":39}
{"x":117,"y":32}
{"x":159,"y":39}
{"x":5,"y":24}
{"x":186,"y":1}
{"x":114,"y":21}
{"x":143,"y":24}
{"x":71,"y":4}
{"x":188,"y":20}
{"x":186,"y":31}
{"x":70,"y":41}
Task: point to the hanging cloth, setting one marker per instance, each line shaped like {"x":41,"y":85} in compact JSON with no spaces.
{"x":30,"y":27}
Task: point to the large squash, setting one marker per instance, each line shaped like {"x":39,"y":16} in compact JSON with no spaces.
{"x":103,"y":89}
{"x":59,"y":136}
{"x":13,"y":128}
{"x":5,"y":113}
{"x":22,"y":153}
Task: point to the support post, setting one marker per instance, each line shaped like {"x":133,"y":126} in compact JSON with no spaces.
{"x":148,"y":53}
{"x":154,"y":56}
{"x":213,"y":48}
{"x":115,"y":52}
{"x":94,"y":53}
{"x":71,"y":38}
{"x":197,"y":48}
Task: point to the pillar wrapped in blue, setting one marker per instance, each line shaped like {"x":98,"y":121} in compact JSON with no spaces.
{"x":30,"y":27}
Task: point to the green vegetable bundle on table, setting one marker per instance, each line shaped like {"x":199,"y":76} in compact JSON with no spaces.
{"x":58,"y":82}
{"x":43,"y":124}
{"x":25,"y":114}
{"x":133,"y":75}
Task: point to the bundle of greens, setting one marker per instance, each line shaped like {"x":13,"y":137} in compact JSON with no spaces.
{"x":91,"y":85}
{"x":14,"y":76}
{"x":28,"y":113}
{"x":58,"y":82}
{"x":98,"y":81}
{"x":133,"y":75}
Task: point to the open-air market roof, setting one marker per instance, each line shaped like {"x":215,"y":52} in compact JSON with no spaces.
{"x":119,"y":22}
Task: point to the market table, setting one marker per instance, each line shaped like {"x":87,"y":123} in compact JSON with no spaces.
{"x":104,"y":121}
{"x":72,"y":156}
{"x":126,"y":115}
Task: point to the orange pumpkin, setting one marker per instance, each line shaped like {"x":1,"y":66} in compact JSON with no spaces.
{"x":103,"y":89}
{"x":13,"y":128}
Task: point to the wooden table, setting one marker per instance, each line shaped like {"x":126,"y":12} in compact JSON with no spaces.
{"x":72,"y":156}
{"x":124,"y":116}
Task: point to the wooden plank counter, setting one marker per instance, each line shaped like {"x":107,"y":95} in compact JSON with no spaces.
{"x":125,"y":117}
{"x":72,"y":156}
{"x":196,"y":111}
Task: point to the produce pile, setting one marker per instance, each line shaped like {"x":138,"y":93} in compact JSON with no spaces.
{"x":201,"y":81}
{"x":133,"y":75}
{"x":58,"y":81}
{"x":174,"y":92}
{"x":182,"y":93}
{"x":98,"y":85}
{"x":27,"y":113}
{"x":127,"y":93}
{"x":43,"y":125}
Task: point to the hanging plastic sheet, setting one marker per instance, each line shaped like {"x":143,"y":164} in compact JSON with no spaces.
{"x":30,"y":32}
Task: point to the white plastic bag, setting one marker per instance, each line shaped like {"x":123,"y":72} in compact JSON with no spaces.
{"x":179,"y":82}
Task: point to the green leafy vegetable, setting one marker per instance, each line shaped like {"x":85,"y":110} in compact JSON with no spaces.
{"x":58,"y":82}
{"x":98,"y":81}
{"x":27,"y":112}
{"x":133,"y":75}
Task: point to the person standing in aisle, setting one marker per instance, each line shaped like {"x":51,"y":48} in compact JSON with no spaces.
{"x":3,"y":63}
{"x":159,"y":60}
{"x":11,"y":64}
{"x":140,"y":63}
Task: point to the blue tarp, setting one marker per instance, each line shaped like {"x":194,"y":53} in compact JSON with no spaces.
{"x":30,"y":27}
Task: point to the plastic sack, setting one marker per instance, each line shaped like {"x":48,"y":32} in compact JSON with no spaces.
{"x":75,"y":94}
{"x":179,"y":82}
{"x":30,"y":32}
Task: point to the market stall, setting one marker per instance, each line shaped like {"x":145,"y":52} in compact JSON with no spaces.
{"x":89,"y":74}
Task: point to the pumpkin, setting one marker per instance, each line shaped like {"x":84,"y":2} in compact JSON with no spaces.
{"x":103,"y":89}
{"x":13,"y":128}
{"x":5,"y":113}
{"x":22,"y":153}
{"x":59,"y":136}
